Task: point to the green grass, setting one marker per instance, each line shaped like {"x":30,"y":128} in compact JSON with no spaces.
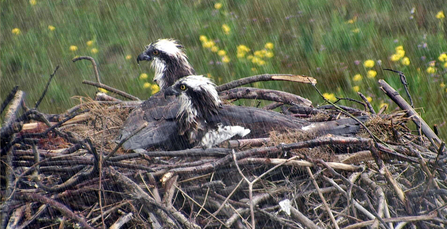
{"x":310,"y":37}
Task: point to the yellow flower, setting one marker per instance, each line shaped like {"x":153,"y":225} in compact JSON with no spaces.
{"x":400,"y":53}
{"x":371,"y":74}
{"x":442,"y":85}
{"x":259,"y":54}
{"x":440,"y":15}
{"x":33,"y":2}
{"x":383,"y":104}
{"x":89,"y":43}
{"x":143,"y":76}
{"x":405,"y":61}
{"x":356,"y":88}
{"x":269,"y":54}
{"x":103,"y":90}
{"x":357,"y":30}
{"x":431,"y":70}
{"x":94,"y":50}
{"x":432,"y":63}
{"x":357,"y":77}
{"x":369,"y":99}
{"x":330,"y":97}
{"x":214,"y":49}
{"x":146,"y":85}
{"x":254,"y":69}
{"x":250,"y":57}
{"x":217,"y":5}
{"x":445,"y":65}
{"x":240,"y":55}
{"x":51,"y":28}
{"x":350,"y":21}
{"x":261,"y":62}
{"x":73,"y":48}
{"x":368,"y":63}
{"x":208,"y":44}
{"x":255,"y":60}
{"x":155,"y":88}
{"x":226,"y":29}
{"x":400,"y":47}
{"x":221,"y":53}
{"x":395,"y":57}
{"x":442,"y":57}
{"x":225,"y":59}
{"x":268,"y":45}
{"x":243,"y":48}
{"x":16,"y":31}
{"x":203,"y":38}
{"x":128,"y":57}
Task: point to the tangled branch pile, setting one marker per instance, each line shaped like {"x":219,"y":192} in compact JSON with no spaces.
{"x":66,"y":171}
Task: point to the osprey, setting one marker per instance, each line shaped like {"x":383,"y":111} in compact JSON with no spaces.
{"x":168,"y":60}
{"x":198,"y":117}
{"x":170,"y":64}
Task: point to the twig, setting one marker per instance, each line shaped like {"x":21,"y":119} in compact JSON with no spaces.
{"x":121,"y":221}
{"x":394,"y":95}
{"x":111,"y":89}
{"x":403,"y":79}
{"x":394,"y":220}
{"x":95,"y":67}
{"x":331,"y":216}
{"x":300,"y":217}
{"x":54,"y":204}
{"x":368,"y":104}
{"x":46,"y":88}
{"x":264,"y":94}
{"x":265,"y":77}
{"x":8,"y":99}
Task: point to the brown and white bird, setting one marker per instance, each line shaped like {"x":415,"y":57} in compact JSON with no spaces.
{"x":168,"y":60}
{"x":199,"y":118}
{"x":170,"y":64}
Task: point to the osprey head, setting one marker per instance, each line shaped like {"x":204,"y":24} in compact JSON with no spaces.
{"x":198,"y":96}
{"x":169,"y":61}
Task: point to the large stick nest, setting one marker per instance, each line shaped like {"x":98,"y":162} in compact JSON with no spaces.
{"x":66,"y":170}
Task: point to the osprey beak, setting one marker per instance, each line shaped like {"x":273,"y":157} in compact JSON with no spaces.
{"x":171,"y":91}
{"x":143,"y":56}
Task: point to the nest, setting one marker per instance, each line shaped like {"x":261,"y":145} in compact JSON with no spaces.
{"x":67,"y":170}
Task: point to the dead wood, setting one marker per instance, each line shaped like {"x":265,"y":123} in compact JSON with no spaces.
{"x":266,"y":77}
{"x":264,"y":94}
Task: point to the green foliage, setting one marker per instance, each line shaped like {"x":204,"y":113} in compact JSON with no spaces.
{"x":328,"y":40}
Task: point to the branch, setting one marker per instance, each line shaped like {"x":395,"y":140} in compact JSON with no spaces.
{"x":95,"y":68}
{"x":266,"y":77}
{"x":265,"y":94}
{"x":46,"y":88}
{"x":394,"y":95}
{"x":111,"y":89}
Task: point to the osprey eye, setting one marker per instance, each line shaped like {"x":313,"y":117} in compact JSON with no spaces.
{"x":182,"y":87}
{"x":155,"y":52}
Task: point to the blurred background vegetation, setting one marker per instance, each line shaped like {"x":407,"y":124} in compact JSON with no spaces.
{"x":344,"y":44}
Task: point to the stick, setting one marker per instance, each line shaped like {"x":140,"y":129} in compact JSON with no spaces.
{"x":111,"y":89}
{"x":265,"y":94}
{"x":393,"y":220}
{"x":8,"y":99}
{"x":95,"y":67}
{"x":53,"y":204}
{"x":46,"y":88}
{"x":266,"y":77}
{"x":394,"y":95}
{"x":322,"y":198}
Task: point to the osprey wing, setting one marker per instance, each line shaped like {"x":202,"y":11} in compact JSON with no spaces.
{"x":259,"y":121}
{"x":159,"y":114}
